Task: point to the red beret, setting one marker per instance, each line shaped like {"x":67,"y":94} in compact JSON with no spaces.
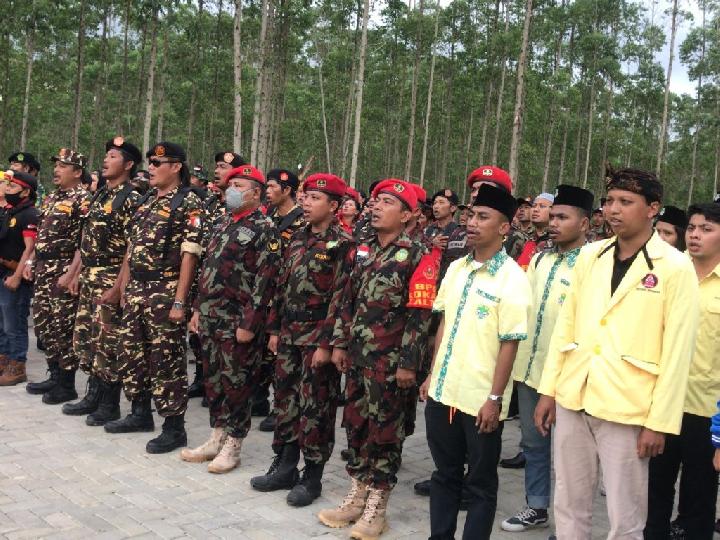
{"x":489,"y":173}
{"x":398,"y":188}
{"x":326,"y":183}
{"x":353,"y":194}
{"x":420,"y":193}
{"x":248,"y":172}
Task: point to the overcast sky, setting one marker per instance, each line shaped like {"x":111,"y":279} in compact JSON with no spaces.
{"x":679,"y":83}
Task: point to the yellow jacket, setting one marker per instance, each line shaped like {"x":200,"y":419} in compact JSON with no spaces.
{"x":625,"y":358}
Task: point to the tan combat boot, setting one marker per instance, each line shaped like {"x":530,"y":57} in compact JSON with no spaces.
{"x":228,"y":458}
{"x":372,"y":523}
{"x":349,"y":510}
{"x":207,"y":450}
{"x":13,"y":374}
{"x":4,"y":361}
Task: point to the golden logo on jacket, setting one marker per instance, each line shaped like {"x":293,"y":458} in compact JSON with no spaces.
{"x":402,"y":255}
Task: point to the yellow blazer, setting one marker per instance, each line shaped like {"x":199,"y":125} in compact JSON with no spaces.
{"x":625,"y":357}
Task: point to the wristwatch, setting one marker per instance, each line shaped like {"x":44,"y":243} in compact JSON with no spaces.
{"x":496,"y":399}
{"x":177,"y":304}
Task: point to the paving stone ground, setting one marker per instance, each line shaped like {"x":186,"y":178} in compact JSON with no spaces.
{"x":62,"y":479}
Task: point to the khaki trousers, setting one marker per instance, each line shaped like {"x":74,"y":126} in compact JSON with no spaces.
{"x":579,"y":440}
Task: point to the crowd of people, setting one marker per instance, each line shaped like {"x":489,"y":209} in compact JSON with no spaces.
{"x":597,"y":324}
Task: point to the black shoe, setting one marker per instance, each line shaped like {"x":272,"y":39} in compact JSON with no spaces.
{"x":283,"y":473}
{"x":527,"y":518}
{"x":268,"y":425}
{"x":64,"y":390}
{"x":37,"y":388}
{"x":204,"y":402}
{"x":109,"y":407}
{"x":261,"y":408}
{"x":40,"y":345}
{"x":346,"y":454}
{"x":139,"y":419}
{"x":309,"y":487}
{"x":173,"y":436}
{"x":89,"y":403}
{"x":197,"y":388}
{"x":517,"y":462}
{"x":422,"y":488}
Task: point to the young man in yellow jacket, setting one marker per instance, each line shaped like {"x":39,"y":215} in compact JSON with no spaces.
{"x":691,"y":449}
{"x":618,"y":362}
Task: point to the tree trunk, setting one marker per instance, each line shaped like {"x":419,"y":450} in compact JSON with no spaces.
{"x":486,"y":116}
{"x":501,"y":93}
{"x":98,"y":98}
{"x":519,"y":97}
{"x":359,"y":99}
{"x":563,"y":149}
{"x":606,"y":136}
{"x":77,"y":113}
{"x":663,"y":128}
{"x":151,"y":80}
{"x":347,"y":117}
{"x":29,"y":60}
{"x":123,"y":83}
{"x":698,"y":124}
{"x":413,"y":96}
{"x":259,"y":89}
{"x":161,"y":89}
{"x":591,"y":118}
{"x":237,"y":72}
{"x":468,"y":142}
{"x":193,"y":92}
{"x":323,"y":115}
{"x":215,"y":86}
{"x":428,"y":107}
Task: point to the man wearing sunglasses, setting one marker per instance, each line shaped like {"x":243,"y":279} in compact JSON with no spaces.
{"x":163,"y":251}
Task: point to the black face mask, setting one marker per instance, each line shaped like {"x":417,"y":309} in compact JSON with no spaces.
{"x":13,"y":199}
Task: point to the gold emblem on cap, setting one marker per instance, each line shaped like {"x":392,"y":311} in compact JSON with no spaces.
{"x":246,"y":170}
{"x":321,"y":183}
{"x":228,"y":158}
{"x":487,"y":172}
{"x":159,"y":150}
{"x":118,"y":141}
{"x":399,"y":188}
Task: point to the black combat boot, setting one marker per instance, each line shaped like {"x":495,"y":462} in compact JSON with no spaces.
{"x":109,"y":407}
{"x":268,"y":423}
{"x":283,"y":473}
{"x":64,"y":390}
{"x":309,"y":487}
{"x":197,"y":388}
{"x":89,"y":403}
{"x":261,"y":407}
{"x":139,"y":419}
{"x":46,"y":385}
{"x":173,"y":436}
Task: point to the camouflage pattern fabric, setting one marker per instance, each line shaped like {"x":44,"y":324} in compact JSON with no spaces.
{"x":515,"y":241}
{"x":152,"y":356}
{"x":102,"y":247}
{"x":61,"y":218}
{"x":310,"y":287}
{"x":363,"y":227}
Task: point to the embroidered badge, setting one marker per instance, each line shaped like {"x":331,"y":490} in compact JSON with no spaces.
{"x":362,"y":252}
{"x":160,"y":150}
{"x":108,"y":207}
{"x":322,"y":256}
{"x":650,"y":281}
{"x":283,"y":177}
{"x":402,"y":255}
{"x":429,"y":272}
{"x":399,"y":188}
{"x":483,"y":312}
{"x":331,"y":244}
{"x":247,"y":171}
{"x":321,"y":183}
{"x":228,"y":157}
{"x":118,"y":141}
{"x":13,"y":222}
{"x":273,"y":246}
{"x":487,"y":172}
{"x":561,"y":299}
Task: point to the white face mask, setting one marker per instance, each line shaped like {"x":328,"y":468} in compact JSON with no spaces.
{"x":235,"y":198}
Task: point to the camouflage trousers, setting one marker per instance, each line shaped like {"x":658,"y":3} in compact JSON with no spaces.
{"x":152,"y":352}
{"x":377,"y":417}
{"x":54,"y":315}
{"x":306,"y":401}
{"x":230,"y":375}
{"x":96,"y":336}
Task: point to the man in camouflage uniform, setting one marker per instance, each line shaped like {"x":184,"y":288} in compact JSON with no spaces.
{"x":317,"y":263}
{"x":214,"y":209}
{"x":61,"y":218}
{"x":384,"y":341}
{"x":237,"y":282}
{"x":162,"y":255}
{"x":102,"y":249}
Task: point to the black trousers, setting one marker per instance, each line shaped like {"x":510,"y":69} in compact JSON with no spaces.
{"x":698,"y":483}
{"x":449,"y":444}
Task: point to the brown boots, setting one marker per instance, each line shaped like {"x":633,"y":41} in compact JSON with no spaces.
{"x":350,"y":509}
{"x":228,"y":458}
{"x":372,"y":523}
{"x":207,"y":450}
{"x":13,"y":373}
{"x":4,"y":361}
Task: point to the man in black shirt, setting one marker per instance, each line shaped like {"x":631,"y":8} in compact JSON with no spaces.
{"x":18,"y":230}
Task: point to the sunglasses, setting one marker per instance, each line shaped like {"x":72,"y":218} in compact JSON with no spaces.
{"x":157,"y":163}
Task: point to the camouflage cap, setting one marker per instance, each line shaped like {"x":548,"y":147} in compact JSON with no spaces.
{"x":199,"y":172}
{"x":70,"y":157}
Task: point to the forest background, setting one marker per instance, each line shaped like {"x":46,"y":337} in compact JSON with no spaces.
{"x":549,"y":89}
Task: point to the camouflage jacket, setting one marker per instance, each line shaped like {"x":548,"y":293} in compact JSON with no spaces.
{"x":214,"y":209}
{"x":516,"y":240}
{"x":107,"y":225}
{"x":159,"y":237}
{"x":61,"y":219}
{"x":239,"y":273}
{"x":456,"y":248}
{"x":363,"y":227}
{"x":288,"y":224}
{"x":374,"y":324}
{"x":315,"y":270}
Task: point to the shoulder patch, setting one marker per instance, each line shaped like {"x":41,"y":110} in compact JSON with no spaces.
{"x":273,"y":245}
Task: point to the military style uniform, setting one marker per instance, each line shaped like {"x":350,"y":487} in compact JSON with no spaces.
{"x":380,"y":334}
{"x":153,"y":347}
{"x":515,"y":241}
{"x":236,"y":285}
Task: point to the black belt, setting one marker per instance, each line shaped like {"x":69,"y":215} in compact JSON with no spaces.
{"x":53,"y":255}
{"x":306,"y":315}
{"x":91,"y":262}
{"x":154,"y":275}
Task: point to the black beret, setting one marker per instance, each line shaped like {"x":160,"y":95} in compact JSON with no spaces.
{"x":231,"y":158}
{"x":674,"y":216}
{"x":168,"y":150}
{"x":498,"y":199}
{"x":449,"y":194}
{"x":23,"y":179}
{"x":25,"y":157}
{"x":283,"y":176}
{"x":129,"y":149}
{"x":522,"y":201}
{"x":574,"y":196}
